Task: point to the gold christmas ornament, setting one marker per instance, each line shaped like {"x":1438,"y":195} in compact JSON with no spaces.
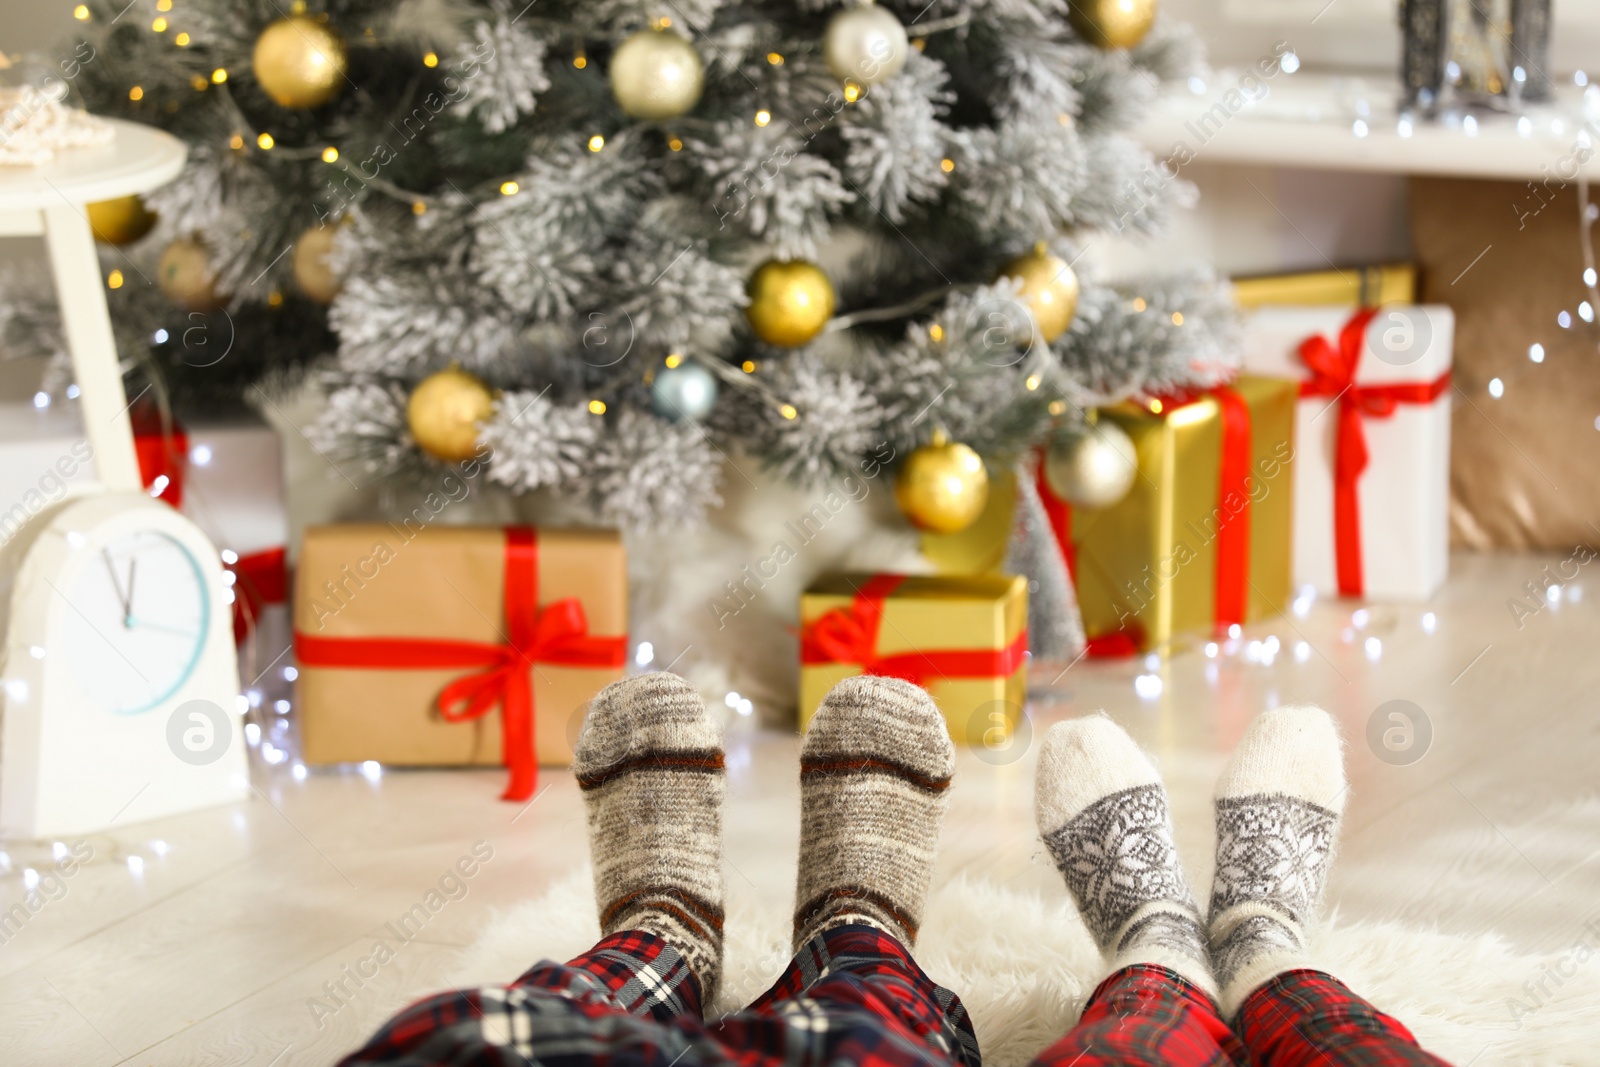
{"x":1049,"y":287}
{"x":790,"y":302}
{"x":121,"y":221}
{"x":655,"y":74}
{"x":1112,"y":23}
{"x":864,"y":44}
{"x":185,"y":274}
{"x":300,"y":62}
{"x":1091,"y":465}
{"x":445,"y":411}
{"x":313,"y":271}
{"x":942,"y":486}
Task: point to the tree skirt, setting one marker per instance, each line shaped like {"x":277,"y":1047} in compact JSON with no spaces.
{"x":1023,"y":965}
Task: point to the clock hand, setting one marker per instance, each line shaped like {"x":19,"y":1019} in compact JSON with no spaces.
{"x":127,"y":607}
{"x":133,"y":568}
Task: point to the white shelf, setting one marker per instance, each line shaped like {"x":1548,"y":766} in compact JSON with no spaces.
{"x":1352,"y":122}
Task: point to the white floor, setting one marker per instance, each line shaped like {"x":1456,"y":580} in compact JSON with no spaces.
{"x":212,"y":938}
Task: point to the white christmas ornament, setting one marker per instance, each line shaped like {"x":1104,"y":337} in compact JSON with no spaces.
{"x":865,"y":44}
{"x":655,"y":74}
{"x":1092,"y":467}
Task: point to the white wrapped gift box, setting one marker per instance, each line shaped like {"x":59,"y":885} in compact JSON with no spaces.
{"x":1401,"y":392}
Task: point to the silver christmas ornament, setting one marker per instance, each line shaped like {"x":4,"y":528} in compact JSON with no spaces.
{"x":864,"y":44}
{"x":687,"y":391}
{"x":655,"y":74}
{"x":1091,"y":466}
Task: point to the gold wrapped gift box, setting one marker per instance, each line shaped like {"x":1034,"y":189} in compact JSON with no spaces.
{"x":961,"y":637}
{"x":1353,"y":286}
{"x":1147,"y":567}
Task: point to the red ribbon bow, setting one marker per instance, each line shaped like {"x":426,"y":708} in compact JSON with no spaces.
{"x":1333,"y":373}
{"x":557,"y":633}
{"x":850,"y":635}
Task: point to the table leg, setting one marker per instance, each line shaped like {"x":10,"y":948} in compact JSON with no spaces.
{"x":87,"y":322}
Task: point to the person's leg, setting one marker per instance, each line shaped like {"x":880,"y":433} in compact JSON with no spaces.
{"x":650,"y":765}
{"x":1278,"y":809}
{"x":1104,"y":817}
{"x":1311,"y":1019}
{"x":875,"y":772}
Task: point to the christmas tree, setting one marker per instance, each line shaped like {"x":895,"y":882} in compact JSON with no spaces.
{"x":601,"y":244}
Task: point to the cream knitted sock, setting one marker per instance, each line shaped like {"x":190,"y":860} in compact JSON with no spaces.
{"x":874,"y":780}
{"x":1104,"y":817}
{"x":1278,"y":809}
{"x":649,"y":763}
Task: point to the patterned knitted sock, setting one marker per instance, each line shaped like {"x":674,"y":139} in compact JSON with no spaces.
{"x":875,"y":775}
{"x":1104,"y":817}
{"x":649,"y":763}
{"x":1278,"y":808}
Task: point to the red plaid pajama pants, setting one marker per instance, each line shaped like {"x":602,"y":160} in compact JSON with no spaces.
{"x":1146,"y":1015}
{"x":853,"y":995}
{"x":850,"y":995}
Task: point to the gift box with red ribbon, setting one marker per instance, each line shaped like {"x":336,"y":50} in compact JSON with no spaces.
{"x":1201,"y":541}
{"x":1372,"y":443}
{"x":412,"y":642}
{"x":962,"y":638}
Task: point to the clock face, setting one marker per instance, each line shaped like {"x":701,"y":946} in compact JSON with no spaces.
{"x":136,"y":622}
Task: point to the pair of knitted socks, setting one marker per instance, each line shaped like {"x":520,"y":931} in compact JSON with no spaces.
{"x":875,"y":773}
{"x":1104,"y":817}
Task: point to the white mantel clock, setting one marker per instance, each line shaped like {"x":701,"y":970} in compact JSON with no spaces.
{"x":120,"y":680}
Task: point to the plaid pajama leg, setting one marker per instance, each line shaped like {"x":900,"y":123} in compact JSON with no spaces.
{"x":852,"y":994}
{"x":1146,"y":1015}
{"x":631,"y":1001}
{"x":1305,"y":1018}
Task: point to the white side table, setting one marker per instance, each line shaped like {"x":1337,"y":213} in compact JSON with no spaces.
{"x":49,"y":201}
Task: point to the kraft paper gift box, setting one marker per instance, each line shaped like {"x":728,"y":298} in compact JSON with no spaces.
{"x":1202,"y":539}
{"x":963,"y":638}
{"x":1372,"y":443}
{"x":412,"y":642}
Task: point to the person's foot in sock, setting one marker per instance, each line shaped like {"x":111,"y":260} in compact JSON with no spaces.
{"x":649,"y":763}
{"x":1278,"y":809}
{"x":1104,"y":818}
{"x":875,"y":772}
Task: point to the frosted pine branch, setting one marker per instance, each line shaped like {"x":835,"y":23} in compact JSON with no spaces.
{"x":510,"y":73}
{"x":537,"y":444}
{"x":649,"y":472}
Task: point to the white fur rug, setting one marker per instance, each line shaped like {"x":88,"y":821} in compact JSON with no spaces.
{"x":1023,"y":964}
